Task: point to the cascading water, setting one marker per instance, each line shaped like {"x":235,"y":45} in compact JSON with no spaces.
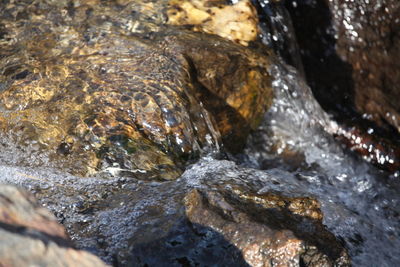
{"x":277,"y":32}
{"x":360,"y":203}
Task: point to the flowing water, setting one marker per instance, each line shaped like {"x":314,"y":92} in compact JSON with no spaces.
{"x":360,"y":203}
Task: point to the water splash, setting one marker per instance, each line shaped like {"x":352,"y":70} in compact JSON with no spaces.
{"x":277,"y":31}
{"x":360,"y":203}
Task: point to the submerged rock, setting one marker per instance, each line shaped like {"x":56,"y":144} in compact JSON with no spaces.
{"x":105,"y":86}
{"x":31,"y":236}
{"x":223,"y":228}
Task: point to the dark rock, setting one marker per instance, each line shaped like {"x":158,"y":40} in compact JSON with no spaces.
{"x":351,"y":55}
{"x":369,"y":40}
{"x":186,"y":244}
{"x":30,"y":235}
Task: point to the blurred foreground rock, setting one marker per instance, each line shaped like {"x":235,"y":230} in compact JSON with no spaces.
{"x":31,"y":236}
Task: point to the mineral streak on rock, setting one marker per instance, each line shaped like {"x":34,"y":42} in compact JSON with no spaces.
{"x":31,"y":236}
{"x":107,"y":86}
{"x":238,"y":22}
{"x":382,"y":152}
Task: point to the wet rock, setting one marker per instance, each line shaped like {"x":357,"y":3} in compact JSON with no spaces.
{"x":225,"y":215}
{"x":110,"y":87}
{"x":350,"y":52}
{"x":30,"y":235}
{"x":268,"y":229}
{"x":215,"y":214}
{"x":371,"y":44}
{"x":237,"y":22}
{"x":221,"y":228}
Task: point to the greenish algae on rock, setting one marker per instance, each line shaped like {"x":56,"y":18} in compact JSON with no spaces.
{"x":104,"y":86}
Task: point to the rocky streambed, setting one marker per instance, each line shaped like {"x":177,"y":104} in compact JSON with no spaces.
{"x":168,"y":133}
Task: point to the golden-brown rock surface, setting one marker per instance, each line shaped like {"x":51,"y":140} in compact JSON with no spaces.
{"x":270,"y":230}
{"x":238,"y":22}
{"x":108,"y":86}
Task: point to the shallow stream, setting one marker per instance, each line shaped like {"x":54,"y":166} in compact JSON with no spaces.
{"x":292,"y":152}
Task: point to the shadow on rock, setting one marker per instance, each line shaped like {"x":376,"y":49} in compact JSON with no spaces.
{"x":234,"y":228}
{"x":188,"y":244}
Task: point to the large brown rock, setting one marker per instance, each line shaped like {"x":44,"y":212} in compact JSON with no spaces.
{"x":110,"y":86}
{"x":31,"y":236}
